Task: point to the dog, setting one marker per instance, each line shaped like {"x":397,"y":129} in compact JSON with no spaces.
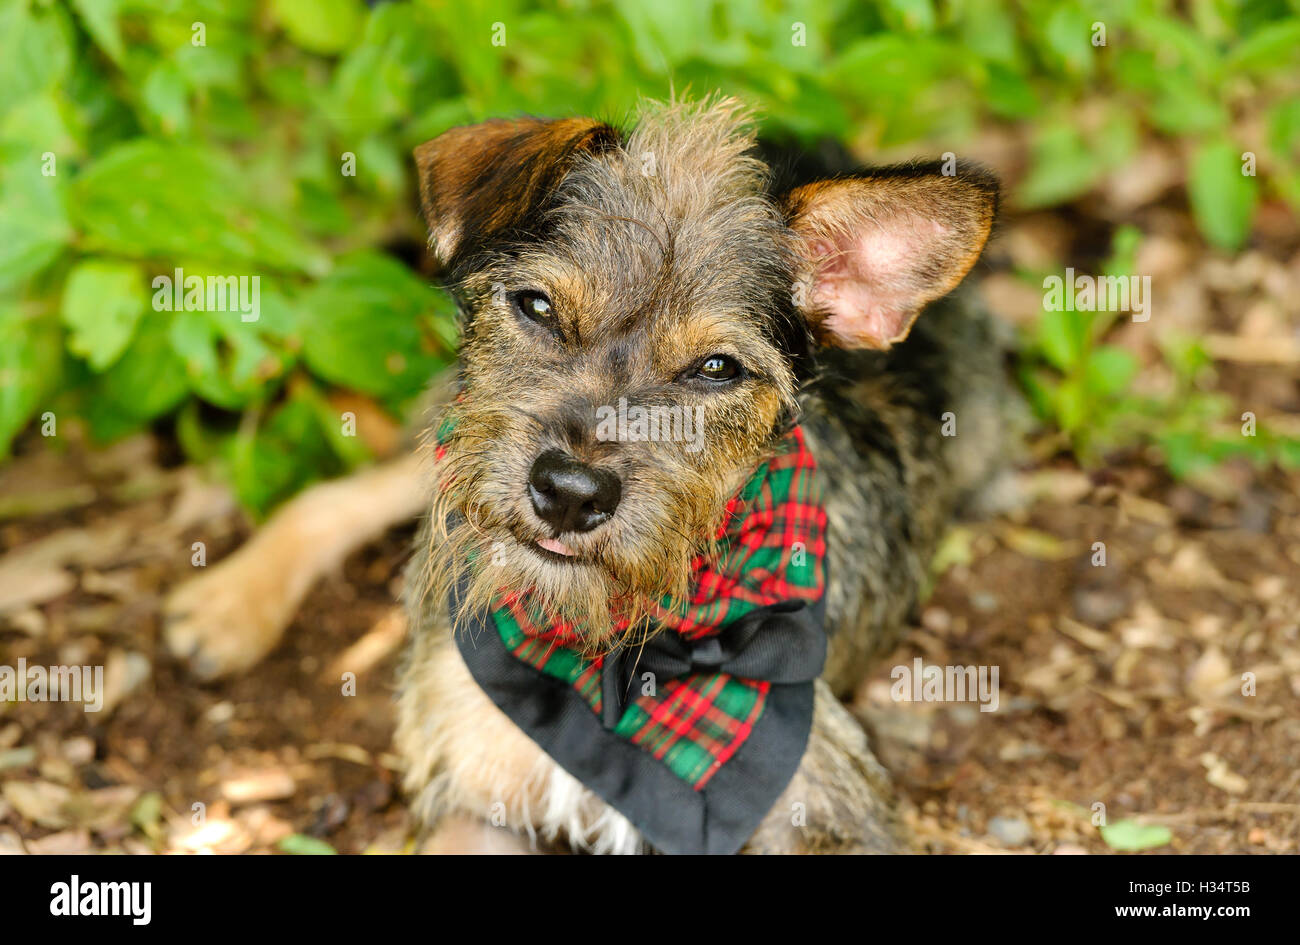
{"x":706,"y":429}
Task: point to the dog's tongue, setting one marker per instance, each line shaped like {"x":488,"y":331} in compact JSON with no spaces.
{"x":555,"y":545}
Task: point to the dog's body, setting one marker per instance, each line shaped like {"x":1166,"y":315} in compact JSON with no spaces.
{"x":892,"y":482}
{"x":585,"y":279}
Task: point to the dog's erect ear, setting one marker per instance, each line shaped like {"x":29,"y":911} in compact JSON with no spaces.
{"x":478,"y":181}
{"x":879,"y":245}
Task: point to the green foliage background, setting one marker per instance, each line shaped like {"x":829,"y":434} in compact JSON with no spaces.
{"x":225,"y":158}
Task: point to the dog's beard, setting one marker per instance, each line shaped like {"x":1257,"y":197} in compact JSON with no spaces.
{"x":624,"y":573}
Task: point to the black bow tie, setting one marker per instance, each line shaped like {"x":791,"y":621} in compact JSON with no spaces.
{"x":779,"y":643}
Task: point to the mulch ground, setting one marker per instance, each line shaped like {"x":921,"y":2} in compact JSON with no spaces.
{"x":1120,"y":684}
{"x":1161,"y":689}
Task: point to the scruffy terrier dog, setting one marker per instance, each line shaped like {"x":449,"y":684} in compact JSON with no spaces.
{"x":686,"y":484}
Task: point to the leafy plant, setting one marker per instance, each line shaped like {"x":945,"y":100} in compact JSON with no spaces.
{"x":1073,"y":379}
{"x":302,"y":845}
{"x":1130,"y":836}
{"x":1084,"y":388}
{"x":230,"y":137}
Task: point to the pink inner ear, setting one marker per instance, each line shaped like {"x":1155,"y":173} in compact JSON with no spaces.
{"x":869,"y":283}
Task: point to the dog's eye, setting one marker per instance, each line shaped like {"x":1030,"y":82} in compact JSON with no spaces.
{"x":535,"y":306}
{"x":718,"y":367}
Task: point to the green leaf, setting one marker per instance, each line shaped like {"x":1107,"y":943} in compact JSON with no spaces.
{"x":45,"y":123}
{"x":321,"y":26}
{"x":669,"y":32}
{"x":911,"y":15}
{"x":321,"y":210}
{"x":100,"y":20}
{"x":1063,"y":167}
{"x":1288,"y":452}
{"x":35,"y":49}
{"x":1110,"y":370}
{"x":165,"y":96}
{"x":232,"y":51}
{"x":102,"y":302}
{"x":382,"y":78}
{"x":352,"y":450}
{"x":99,"y":106}
{"x":1185,"y":357}
{"x":1062,"y":334}
{"x":1284,"y":126}
{"x":1068,"y":34}
{"x":31,"y":350}
{"x":365,"y":327}
{"x":1222,"y":197}
{"x":283,"y":455}
{"x":147,"y":812}
{"x":33,"y":224}
{"x":1129,"y":835}
{"x":1184,"y":452}
{"x":148,"y":380}
{"x":1274,"y":46}
{"x":1182,"y":49}
{"x":379,"y":163}
{"x":989,"y":31}
{"x":1123,"y":250}
{"x":201,"y":443}
{"x":150,"y":198}
{"x":226,"y":360}
{"x":1071,"y":406}
{"x":1041,"y":387}
{"x":300,"y":843}
{"x":1008,"y":93}
{"x":1182,"y":107}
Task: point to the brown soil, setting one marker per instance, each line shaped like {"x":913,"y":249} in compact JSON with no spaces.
{"x":1119,"y":684}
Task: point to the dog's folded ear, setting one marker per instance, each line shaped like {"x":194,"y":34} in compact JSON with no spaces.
{"x":480,"y":181}
{"x":877,"y":246}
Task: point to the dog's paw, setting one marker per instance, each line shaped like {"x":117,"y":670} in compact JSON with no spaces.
{"x":230,"y":616}
{"x":461,"y":835}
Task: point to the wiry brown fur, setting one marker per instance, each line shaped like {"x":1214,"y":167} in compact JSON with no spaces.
{"x":646,"y":272}
{"x":656,"y":250}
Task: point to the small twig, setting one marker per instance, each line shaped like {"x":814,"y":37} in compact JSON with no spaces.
{"x":46,"y":502}
{"x":1231,"y":812}
{"x":1280,"y":350}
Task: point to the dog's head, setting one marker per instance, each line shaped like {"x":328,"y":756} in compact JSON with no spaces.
{"x":638,"y":310}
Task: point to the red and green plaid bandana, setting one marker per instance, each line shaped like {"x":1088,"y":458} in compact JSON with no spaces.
{"x":771,"y":548}
{"x":734,"y":664}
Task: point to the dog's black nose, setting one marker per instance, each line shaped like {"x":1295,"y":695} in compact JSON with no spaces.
{"x":569,"y":495}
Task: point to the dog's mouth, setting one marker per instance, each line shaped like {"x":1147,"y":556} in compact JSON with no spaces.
{"x":555,"y":548}
{"x":551,"y":549}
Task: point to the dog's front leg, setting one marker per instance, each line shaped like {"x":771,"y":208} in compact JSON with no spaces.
{"x":473,"y":776}
{"x":232,"y":614}
{"x":840,"y":800}
{"x":471,"y":836}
